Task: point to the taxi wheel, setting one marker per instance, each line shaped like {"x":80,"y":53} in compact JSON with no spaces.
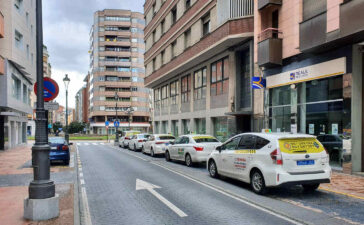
{"x":143,"y":150}
{"x":310,"y":187}
{"x":213,"y":169}
{"x":188,"y":160}
{"x":168,"y":157}
{"x":135,"y":148}
{"x":257,"y":182}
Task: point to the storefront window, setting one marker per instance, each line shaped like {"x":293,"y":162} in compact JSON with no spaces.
{"x":186,"y":126}
{"x":221,"y":128}
{"x":201,"y":126}
{"x":319,"y":107}
{"x":186,"y":88}
{"x":175,"y":128}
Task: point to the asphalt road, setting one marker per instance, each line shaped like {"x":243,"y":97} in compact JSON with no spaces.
{"x":189,"y":196}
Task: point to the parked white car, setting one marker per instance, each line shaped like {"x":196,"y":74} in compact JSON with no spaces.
{"x":137,"y":141}
{"x":192,"y":148}
{"x":272,"y":159}
{"x":127,"y":135}
{"x":157,"y":144}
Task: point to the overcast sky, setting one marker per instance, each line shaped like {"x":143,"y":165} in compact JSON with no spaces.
{"x":66,"y":27}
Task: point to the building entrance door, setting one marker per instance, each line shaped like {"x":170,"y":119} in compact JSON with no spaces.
{"x":243,"y":124}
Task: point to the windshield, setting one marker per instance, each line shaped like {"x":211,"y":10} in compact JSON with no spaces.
{"x":166,"y":138}
{"x":204,"y":139}
{"x":56,"y":140}
{"x":143,"y":136}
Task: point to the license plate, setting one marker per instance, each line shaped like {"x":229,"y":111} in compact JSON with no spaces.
{"x":53,"y":148}
{"x":305,"y":162}
{"x":166,"y":144}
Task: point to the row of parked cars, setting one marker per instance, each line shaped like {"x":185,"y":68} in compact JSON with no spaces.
{"x":262,"y":159}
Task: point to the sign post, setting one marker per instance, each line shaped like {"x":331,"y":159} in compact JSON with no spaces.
{"x":107,"y":123}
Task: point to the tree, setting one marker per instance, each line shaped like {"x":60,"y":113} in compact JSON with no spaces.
{"x":75,"y":127}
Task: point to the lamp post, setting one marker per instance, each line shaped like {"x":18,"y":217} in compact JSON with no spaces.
{"x":129,"y":112}
{"x":116,"y":142}
{"x":66,"y":81}
{"x":43,"y":203}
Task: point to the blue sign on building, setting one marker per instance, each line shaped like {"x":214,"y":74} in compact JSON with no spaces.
{"x":116,"y":124}
{"x":107,"y":123}
{"x":258,"y":83}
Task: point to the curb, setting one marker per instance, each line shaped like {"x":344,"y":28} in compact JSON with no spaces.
{"x":77,"y":200}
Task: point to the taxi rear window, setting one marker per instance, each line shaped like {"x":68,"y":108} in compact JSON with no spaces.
{"x":300,"y":145}
{"x":166,"y":138}
{"x":204,"y":139}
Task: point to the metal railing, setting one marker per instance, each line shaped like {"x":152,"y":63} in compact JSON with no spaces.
{"x":269,"y":33}
{"x":232,"y":9}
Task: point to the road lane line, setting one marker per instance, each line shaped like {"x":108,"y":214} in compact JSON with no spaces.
{"x":86,"y":143}
{"x":86,"y":208}
{"x":341,"y":193}
{"x":233,"y":196}
{"x":94,"y":143}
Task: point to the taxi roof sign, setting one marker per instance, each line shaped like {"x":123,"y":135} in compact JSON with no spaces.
{"x":266,"y":131}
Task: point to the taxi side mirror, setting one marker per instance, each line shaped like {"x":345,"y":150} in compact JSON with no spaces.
{"x":219,"y":148}
{"x":171,"y":142}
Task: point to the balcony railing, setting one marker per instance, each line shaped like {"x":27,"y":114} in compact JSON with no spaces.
{"x":270,"y":47}
{"x":233,"y":9}
{"x":269,"y":33}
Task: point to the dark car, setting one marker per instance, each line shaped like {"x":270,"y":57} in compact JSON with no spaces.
{"x":59,"y":150}
{"x":333,"y":143}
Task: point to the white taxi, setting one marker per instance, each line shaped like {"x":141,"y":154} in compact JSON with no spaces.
{"x":157,"y":144}
{"x":191,"y":148}
{"x":272,"y":159}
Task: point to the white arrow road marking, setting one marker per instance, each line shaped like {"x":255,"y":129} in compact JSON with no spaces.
{"x":143,"y":185}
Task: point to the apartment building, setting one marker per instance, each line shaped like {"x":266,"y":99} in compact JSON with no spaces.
{"x":311,"y":54}
{"x":17,"y":69}
{"x":82,"y":99}
{"x":47,"y":68}
{"x":199,"y":63}
{"x":117,"y":90}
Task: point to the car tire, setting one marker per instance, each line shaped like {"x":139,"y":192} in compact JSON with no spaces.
{"x":152,"y":153}
{"x":213,"y":169}
{"x":188,"y":160}
{"x":67,"y":162}
{"x":257,"y":182}
{"x":143,"y":150}
{"x":168,"y":157}
{"x":135,"y":148}
{"x":310,"y":187}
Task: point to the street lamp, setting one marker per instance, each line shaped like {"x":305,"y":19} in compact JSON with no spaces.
{"x":129,"y":111}
{"x":42,"y":204}
{"x":66,"y":82}
{"x":116,"y":142}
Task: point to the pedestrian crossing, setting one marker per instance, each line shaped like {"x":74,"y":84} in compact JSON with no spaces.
{"x":90,"y":143}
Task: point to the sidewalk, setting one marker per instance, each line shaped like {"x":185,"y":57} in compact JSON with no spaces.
{"x":15,"y":175}
{"x":345,"y":184}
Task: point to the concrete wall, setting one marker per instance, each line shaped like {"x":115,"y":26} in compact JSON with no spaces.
{"x":333,"y":14}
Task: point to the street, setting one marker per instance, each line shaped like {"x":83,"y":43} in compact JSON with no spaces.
{"x":125,"y":187}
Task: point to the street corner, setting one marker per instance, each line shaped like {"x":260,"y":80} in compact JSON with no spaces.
{"x":16,"y":161}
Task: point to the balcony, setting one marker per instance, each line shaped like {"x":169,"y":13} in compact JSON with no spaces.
{"x":267,"y":3}
{"x":313,"y":32}
{"x":2,"y":31}
{"x":270,"y":48}
{"x":233,"y":9}
{"x":351,"y":17}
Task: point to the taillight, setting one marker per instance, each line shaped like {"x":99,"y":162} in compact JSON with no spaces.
{"x":159,"y":143}
{"x":140,"y":140}
{"x":58,"y":148}
{"x":198,"y":148}
{"x":276,"y":156}
{"x":126,"y":138}
{"x":64,"y":147}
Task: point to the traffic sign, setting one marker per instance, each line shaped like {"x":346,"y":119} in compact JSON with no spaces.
{"x":116,"y":124}
{"x":51,"y":106}
{"x":51,"y":89}
{"x":107,"y":123}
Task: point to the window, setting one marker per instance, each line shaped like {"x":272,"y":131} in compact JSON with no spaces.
{"x":165,"y":96}
{"x":206,"y":25}
{"x":186,"y":88}
{"x":27,"y":18}
{"x":247,"y":142}
{"x":174,"y":92}
{"x":163,"y":29}
{"x":220,"y":77}
{"x":134,"y":29}
{"x":18,"y":39}
{"x":154,"y":36}
{"x":312,"y":8}
{"x":154,"y":10}
{"x":187,"y":38}
{"x":199,"y":80}
{"x":185,"y":140}
{"x":18,"y":4}
{"x":174,"y":15}
{"x":173,"y":49}
{"x":16,"y":86}
{"x":260,"y":142}
{"x":231,"y":145}
{"x":162,"y":57}
{"x":154,"y":65}
{"x":188,"y":4}
{"x":25,"y":94}
{"x":116,"y":18}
